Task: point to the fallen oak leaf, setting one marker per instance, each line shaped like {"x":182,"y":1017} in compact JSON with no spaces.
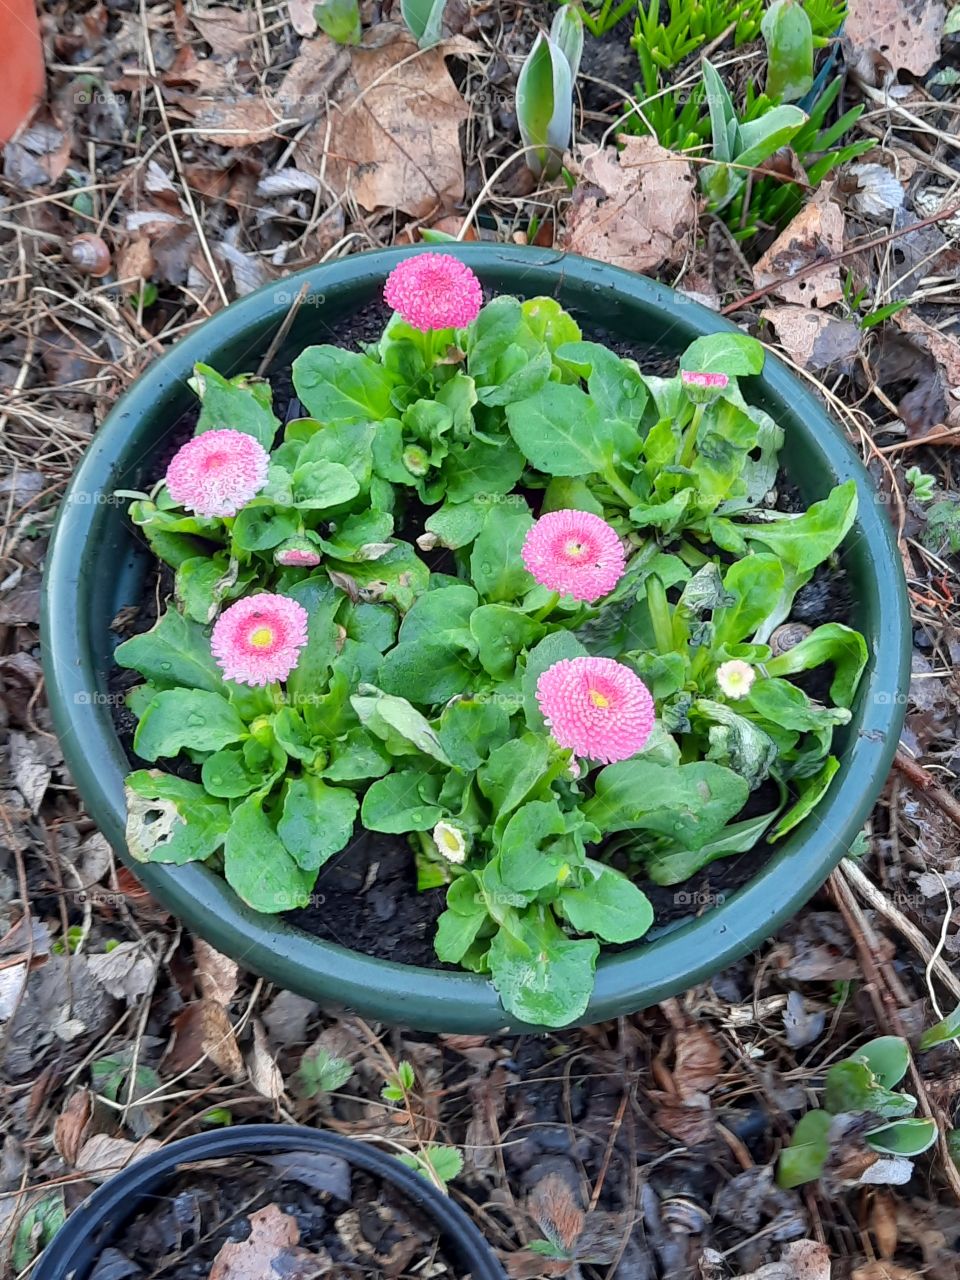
{"x":101,"y":1156}
{"x":216,"y":974}
{"x":813,"y":339}
{"x":904,"y":34}
{"x":814,"y":234}
{"x":635,"y":209}
{"x":394,"y":131}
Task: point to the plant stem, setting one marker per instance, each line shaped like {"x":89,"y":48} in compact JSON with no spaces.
{"x":690,"y":436}
{"x":622,"y":490}
{"x":548,"y":608}
{"x":660,"y":615}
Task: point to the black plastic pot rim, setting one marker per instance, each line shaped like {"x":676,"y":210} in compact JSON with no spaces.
{"x":435,"y":1000}
{"x":95,"y":1223}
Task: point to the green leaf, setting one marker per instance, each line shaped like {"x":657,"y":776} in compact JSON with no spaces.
{"x":318,"y":486}
{"x":317,"y":821}
{"x":36,"y":1228}
{"x":226,"y":774}
{"x":807,"y":540}
{"x":496,"y":566}
{"x":756,"y":582}
{"x":942,"y":1032}
{"x":437,"y":1164}
{"x":475,"y":469}
{"x":178,"y":718}
{"x":788,"y":33}
{"x":235,"y":404}
{"x":425,"y":19}
{"x":910,"y":1137}
{"x":807,"y":1153}
{"x":832,"y":642}
{"x":322,"y":1072}
{"x":257,"y":865}
{"x":394,"y":804}
{"x":427,"y":671}
{"x":456,"y":524}
{"x":852,"y":1086}
{"x":172,"y":820}
{"x":544,"y":106}
{"x":470,"y":728}
{"x":810,"y":792}
{"x":552,"y":648}
{"x":391,"y":718}
{"x":202,"y":583}
{"x":260,"y":526}
{"x":175,"y":651}
{"x":339,"y":386}
{"x":737,"y":742}
{"x":513,"y":773}
{"x":542,"y":976}
{"x":318,"y":596}
{"x":502,"y":634}
{"x":459,"y":925}
{"x":615,"y":385}
{"x":607,"y":904}
{"x":562,"y":432}
{"x":691,"y":803}
{"x":674,"y":865}
{"x":547,"y":320}
{"x":363,"y":536}
{"x":525,"y":866}
{"x":396,"y":578}
{"x":888,"y":1057}
{"x":734,"y":354}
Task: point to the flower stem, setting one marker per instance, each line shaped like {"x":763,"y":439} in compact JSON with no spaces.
{"x":690,"y":436}
{"x":660,"y":615}
{"x":548,"y":608}
{"x":622,"y":490}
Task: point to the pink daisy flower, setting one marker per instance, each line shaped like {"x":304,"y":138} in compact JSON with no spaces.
{"x":258,"y":639}
{"x":434,"y":291}
{"x":218,"y":472}
{"x":701,"y":387}
{"x":596,"y":707}
{"x":575,"y":553}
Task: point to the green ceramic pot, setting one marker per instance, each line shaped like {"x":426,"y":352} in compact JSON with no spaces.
{"x":97,"y":565}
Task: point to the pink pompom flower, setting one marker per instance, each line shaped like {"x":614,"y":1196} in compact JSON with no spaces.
{"x":703,"y":387}
{"x":575,"y":553}
{"x":218,"y":472}
{"x":434,"y":291}
{"x":258,"y":640}
{"x":596,"y":707}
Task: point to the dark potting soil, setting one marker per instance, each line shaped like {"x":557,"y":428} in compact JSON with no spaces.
{"x":300,"y":1214}
{"x":366,"y":897}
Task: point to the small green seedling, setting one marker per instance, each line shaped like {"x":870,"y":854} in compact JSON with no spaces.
{"x":399,"y":1083}
{"x":424,"y":19}
{"x":865,"y":1084}
{"x":545,"y":92}
{"x":438,"y":1164}
{"x":339,"y":19}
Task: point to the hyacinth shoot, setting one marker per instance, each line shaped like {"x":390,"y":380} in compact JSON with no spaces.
{"x":574,"y":553}
{"x":596,"y":707}
{"x":434,"y":291}
{"x":218,"y":472}
{"x":258,"y":640}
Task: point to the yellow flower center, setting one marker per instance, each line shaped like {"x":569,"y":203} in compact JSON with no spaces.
{"x":575,"y":550}
{"x":449,"y":841}
{"x":262,"y":638}
{"x":598,"y":699}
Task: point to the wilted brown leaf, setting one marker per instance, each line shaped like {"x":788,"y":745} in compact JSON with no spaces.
{"x":813,"y":339}
{"x":698,"y":1062}
{"x":216,"y":973}
{"x":70,"y":1127}
{"x":394,"y":133}
{"x":555,"y":1210}
{"x":801,"y":1260}
{"x":228,"y":32}
{"x":814,"y":234}
{"x":101,"y":1156}
{"x":905,"y":34}
{"x":945,"y":351}
{"x":127,"y":972}
{"x":270,"y":1249}
{"x":264,"y":1073}
{"x":204,"y":1028}
{"x":635,"y":209}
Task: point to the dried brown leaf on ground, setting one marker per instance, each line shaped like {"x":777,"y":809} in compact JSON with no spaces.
{"x":816,"y":233}
{"x":302,"y":16}
{"x":813,"y":339}
{"x":205,"y":1029}
{"x":698,"y":1062}
{"x":217,"y":974}
{"x":945,"y":350}
{"x":800,"y":1260}
{"x":270,"y":1249}
{"x":395,"y":131}
{"x":228,"y":32}
{"x":127,"y":972}
{"x":903,"y":34}
{"x":265,"y":1075}
{"x":635,"y":209}
{"x":101,"y":1156}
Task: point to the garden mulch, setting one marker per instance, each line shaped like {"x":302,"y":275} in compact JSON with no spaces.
{"x":192,"y":153}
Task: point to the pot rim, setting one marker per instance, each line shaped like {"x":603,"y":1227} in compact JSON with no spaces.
{"x":415,"y":996}
{"x":92,"y":1225}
